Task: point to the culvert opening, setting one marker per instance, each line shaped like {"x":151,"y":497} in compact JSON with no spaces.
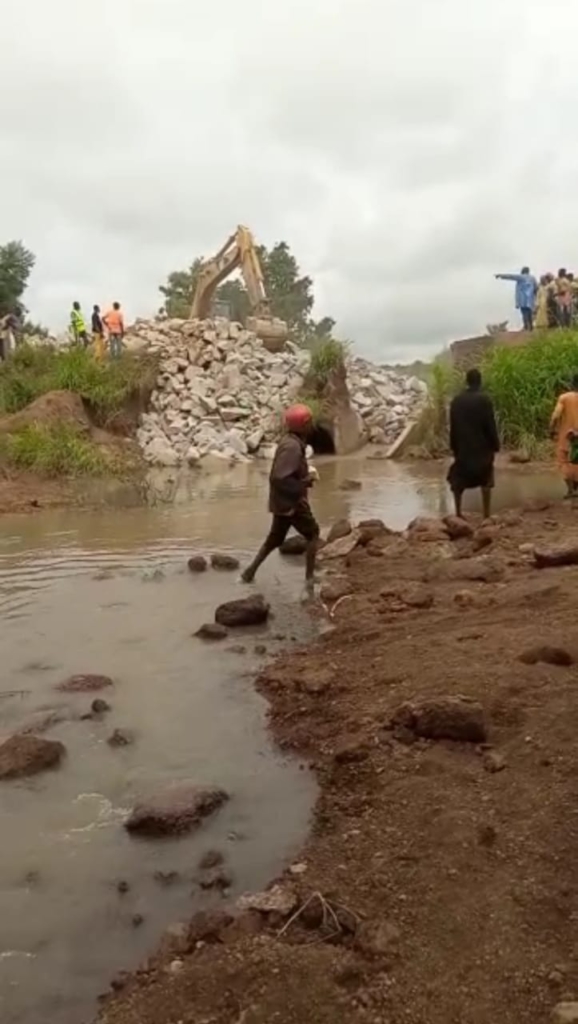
{"x":321,"y":440}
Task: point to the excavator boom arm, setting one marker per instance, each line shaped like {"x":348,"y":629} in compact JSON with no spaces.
{"x":239,"y":253}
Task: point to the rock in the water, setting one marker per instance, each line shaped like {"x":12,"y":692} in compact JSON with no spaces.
{"x":342,"y":528}
{"x":175,"y":810}
{"x":197,"y":563}
{"x":121,"y":738}
{"x":296,"y":545}
{"x":548,"y":655}
{"x":217,"y":878}
{"x":226,"y":562}
{"x":246,"y":611}
{"x":212,"y":631}
{"x":23,"y":755}
{"x":450,"y":718}
{"x":85,"y":683}
{"x":211,"y":859}
{"x":350,"y":485}
{"x":99,"y":706}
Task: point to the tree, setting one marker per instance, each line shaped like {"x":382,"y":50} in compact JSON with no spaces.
{"x":290,"y":294}
{"x":16,"y":263}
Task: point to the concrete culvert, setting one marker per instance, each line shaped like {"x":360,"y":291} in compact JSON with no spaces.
{"x":321,"y":440}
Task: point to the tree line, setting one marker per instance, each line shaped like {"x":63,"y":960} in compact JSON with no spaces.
{"x":289,"y":291}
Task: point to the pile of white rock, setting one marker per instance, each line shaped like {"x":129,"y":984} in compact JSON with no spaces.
{"x":221,"y":393}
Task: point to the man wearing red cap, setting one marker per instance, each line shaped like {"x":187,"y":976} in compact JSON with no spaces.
{"x":289,"y":483}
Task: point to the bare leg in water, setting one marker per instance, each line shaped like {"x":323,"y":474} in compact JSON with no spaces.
{"x":487,"y":501}
{"x":268,"y":547}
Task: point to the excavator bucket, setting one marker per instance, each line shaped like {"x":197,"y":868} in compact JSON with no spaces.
{"x":272,"y":331}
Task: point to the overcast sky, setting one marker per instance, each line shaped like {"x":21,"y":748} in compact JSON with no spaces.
{"x":406,"y":150}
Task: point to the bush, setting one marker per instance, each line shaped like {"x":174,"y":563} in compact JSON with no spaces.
{"x":106,"y":386}
{"x":525,"y":382}
{"x":56,"y":450}
{"x":444,"y":381}
{"x":326,"y":355}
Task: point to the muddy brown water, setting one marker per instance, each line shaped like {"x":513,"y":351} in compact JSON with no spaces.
{"x":108,"y":592}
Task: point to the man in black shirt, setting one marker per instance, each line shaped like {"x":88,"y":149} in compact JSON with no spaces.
{"x":289,"y":483}
{"x":474,"y":442}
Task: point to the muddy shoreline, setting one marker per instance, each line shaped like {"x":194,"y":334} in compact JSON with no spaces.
{"x":438,"y":882}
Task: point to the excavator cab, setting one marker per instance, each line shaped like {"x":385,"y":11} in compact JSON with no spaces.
{"x":239,"y":253}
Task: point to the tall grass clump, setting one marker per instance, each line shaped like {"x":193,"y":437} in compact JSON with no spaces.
{"x":55,"y":450}
{"x":105,"y":385}
{"x":525,"y":382}
{"x":327,"y":354}
{"x":444,"y":381}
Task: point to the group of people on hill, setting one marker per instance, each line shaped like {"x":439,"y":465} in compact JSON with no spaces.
{"x":550,"y":302}
{"x":106,"y":330}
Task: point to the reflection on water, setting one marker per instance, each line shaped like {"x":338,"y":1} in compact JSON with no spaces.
{"x":80,"y":592}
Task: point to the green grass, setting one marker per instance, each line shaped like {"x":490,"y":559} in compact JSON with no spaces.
{"x":327,"y":354}
{"x":106,"y":385}
{"x":51,"y":451}
{"x":525,"y":382}
{"x":443,"y":383}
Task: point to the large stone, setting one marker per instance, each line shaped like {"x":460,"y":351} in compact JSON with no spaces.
{"x":340,"y":548}
{"x":296,"y":545}
{"x":85,"y":683}
{"x":175,"y":810}
{"x":450,"y":718}
{"x":23,"y":755}
{"x":342,"y":528}
{"x":212,"y":631}
{"x":224,"y":562}
{"x":245,"y":611}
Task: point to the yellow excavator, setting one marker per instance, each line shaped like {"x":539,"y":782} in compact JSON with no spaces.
{"x":239,"y":253}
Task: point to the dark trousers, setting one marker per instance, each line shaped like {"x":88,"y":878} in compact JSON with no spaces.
{"x":527,"y":318}
{"x":565,"y":316}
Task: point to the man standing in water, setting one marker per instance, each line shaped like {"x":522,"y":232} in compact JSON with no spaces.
{"x":474,"y":442}
{"x":289,"y":483}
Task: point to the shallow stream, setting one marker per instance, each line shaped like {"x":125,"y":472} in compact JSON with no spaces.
{"x":109,"y":592}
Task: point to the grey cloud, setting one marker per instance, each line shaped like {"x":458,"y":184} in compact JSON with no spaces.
{"x":406,"y":151}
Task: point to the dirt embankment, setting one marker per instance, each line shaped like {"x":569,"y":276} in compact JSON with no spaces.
{"x":439,"y":883}
{"x":26,"y":491}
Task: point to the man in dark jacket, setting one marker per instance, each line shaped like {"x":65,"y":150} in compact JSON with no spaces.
{"x":474,"y":442}
{"x":289,"y":483}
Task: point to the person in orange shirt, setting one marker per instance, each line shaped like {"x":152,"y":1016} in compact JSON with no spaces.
{"x":114,"y":323}
{"x":564,"y":425}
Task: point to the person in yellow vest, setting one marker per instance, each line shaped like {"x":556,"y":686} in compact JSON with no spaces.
{"x":114,"y":323}
{"x":78,"y":325}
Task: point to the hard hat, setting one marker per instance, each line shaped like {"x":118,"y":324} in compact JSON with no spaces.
{"x":297,"y":417}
